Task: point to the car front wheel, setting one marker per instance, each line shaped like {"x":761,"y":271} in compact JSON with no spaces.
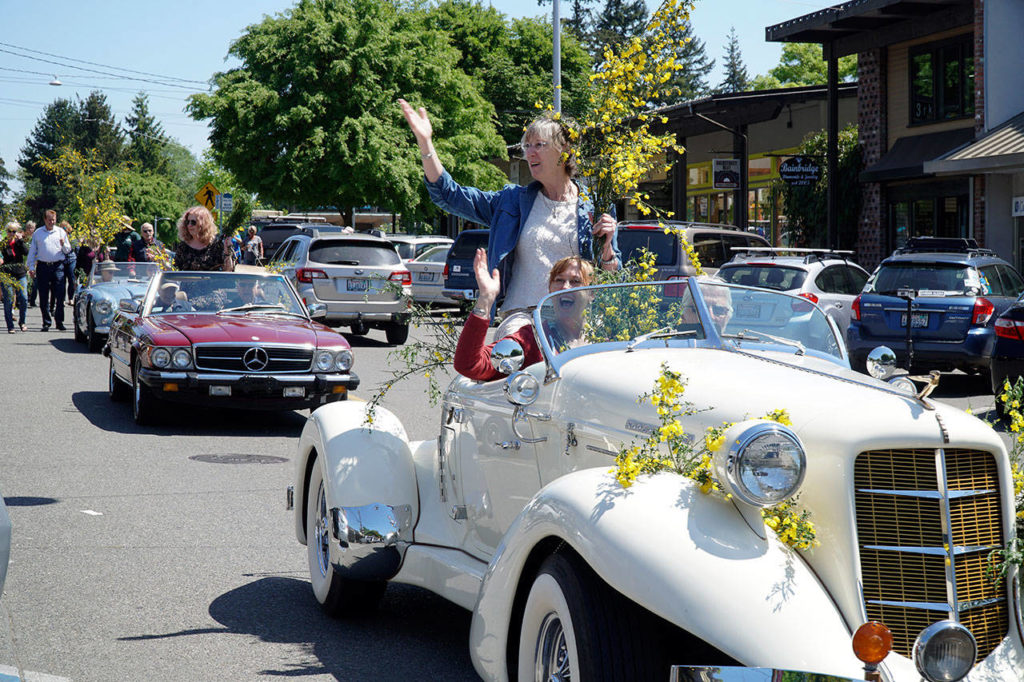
{"x":117,"y":389}
{"x":337,"y":595}
{"x":95,"y":340}
{"x":79,"y":335}
{"x":144,"y":403}
{"x":575,"y":627}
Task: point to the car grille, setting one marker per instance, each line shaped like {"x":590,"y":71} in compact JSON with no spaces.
{"x":231,"y":359}
{"x":911,"y":579}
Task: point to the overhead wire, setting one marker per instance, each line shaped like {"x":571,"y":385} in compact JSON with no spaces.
{"x":106,"y":66}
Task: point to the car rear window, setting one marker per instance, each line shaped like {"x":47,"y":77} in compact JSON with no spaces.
{"x":341,"y":252}
{"x":946,"y":277}
{"x":665,"y":247}
{"x":765,"y":276}
{"x":466,"y":244}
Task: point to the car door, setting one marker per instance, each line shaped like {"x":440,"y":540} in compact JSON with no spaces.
{"x":837,"y":286}
{"x":1008,"y":289}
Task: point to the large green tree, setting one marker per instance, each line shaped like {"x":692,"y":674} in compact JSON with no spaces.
{"x":735,"y":78}
{"x":511,"y":62}
{"x":310,"y":117}
{"x":99,"y":130}
{"x":577,"y":19}
{"x":5,"y":188}
{"x":802,"y":64}
{"x":146,"y":138}
{"x":616,"y":22}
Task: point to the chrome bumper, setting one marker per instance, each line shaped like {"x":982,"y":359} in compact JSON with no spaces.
{"x":369,"y":542}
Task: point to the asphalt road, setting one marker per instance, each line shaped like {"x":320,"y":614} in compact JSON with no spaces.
{"x":134,"y":557}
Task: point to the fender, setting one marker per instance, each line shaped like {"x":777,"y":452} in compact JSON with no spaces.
{"x":362,"y":464}
{"x":685,"y":556}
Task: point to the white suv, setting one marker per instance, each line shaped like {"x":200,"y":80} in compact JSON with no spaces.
{"x":360,"y":278}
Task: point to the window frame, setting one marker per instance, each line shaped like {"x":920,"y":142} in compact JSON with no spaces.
{"x":965,"y":43}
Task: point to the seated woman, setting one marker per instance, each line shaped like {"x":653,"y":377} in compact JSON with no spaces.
{"x":472,"y":357}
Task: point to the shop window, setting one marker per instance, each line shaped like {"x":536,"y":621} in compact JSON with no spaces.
{"x":942,"y":81}
{"x":759,"y":168}
{"x":931,"y":217}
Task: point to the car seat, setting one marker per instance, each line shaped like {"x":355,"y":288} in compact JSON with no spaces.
{"x":774,"y":278}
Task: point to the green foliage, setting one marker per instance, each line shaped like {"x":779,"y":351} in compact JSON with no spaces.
{"x":691,"y":80}
{"x":617,"y":22}
{"x":147,"y":196}
{"x":576,"y":17}
{"x":807,"y":207}
{"x":5,"y":187}
{"x":146,"y":139}
{"x":802,"y":64}
{"x":309,"y":119}
{"x":735,"y":78}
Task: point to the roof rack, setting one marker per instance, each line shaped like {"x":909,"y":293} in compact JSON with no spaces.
{"x":810,"y":255}
{"x":943,"y":245}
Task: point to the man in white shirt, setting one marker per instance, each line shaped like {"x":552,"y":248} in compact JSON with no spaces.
{"x":46,"y":263}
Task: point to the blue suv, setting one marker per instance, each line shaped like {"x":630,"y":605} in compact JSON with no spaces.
{"x":948,"y":291}
{"x":459,"y":278}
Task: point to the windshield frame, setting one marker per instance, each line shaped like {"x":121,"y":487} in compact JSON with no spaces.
{"x":154,"y":287}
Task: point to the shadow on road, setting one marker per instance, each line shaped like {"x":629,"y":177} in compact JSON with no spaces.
{"x":102,"y":413}
{"x":404,"y":631}
{"x":67,"y":344}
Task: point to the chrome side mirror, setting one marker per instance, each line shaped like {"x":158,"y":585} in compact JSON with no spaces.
{"x":317,"y":310}
{"x":881,"y":362}
{"x":522,"y":388}
{"x":128,"y":305}
{"x":507,"y":356}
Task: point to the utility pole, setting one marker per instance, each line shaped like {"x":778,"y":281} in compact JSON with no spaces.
{"x":556,"y":67}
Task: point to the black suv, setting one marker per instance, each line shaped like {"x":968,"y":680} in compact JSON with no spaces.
{"x":459,"y":280}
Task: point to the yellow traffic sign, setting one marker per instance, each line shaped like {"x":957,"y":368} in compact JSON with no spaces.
{"x":207,"y":196}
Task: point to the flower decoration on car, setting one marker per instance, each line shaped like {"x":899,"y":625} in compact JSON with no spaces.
{"x":1000,"y":560}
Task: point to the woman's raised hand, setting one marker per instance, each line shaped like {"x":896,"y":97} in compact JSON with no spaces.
{"x":418,"y":121}
{"x":489,"y":283}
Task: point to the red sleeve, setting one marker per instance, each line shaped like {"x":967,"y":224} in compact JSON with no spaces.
{"x":473,"y":358}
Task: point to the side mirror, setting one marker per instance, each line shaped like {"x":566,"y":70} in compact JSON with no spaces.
{"x":881,"y":362}
{"x":128,"y":305}
{"x":507,"y":356}
{"x":317,"y":311}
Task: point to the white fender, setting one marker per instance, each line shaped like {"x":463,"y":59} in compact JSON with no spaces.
{"x":362,"y":463}
{"x":686,"y":556}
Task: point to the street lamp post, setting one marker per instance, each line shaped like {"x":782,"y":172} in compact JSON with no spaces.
{"x":556,"y":57}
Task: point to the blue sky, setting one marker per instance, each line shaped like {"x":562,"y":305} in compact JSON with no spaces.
{"x":188,"y":41}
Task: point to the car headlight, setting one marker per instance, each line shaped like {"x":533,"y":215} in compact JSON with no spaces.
{"x":103,"y":307}
{"x":944,"y":651}
{"x":181,"y":359}
{"x":324,"y":360}
{"x":761,"y":462}
{"x":160,"y":357}
{"x":343,"y":360}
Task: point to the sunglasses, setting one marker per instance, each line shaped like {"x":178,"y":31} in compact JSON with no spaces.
{"x":191,"y":221}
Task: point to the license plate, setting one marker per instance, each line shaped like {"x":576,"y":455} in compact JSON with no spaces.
{"x":356,"y":285}
{"x":748,"y":310}
{"x":918,"y":320}
{"x":425,"y":276}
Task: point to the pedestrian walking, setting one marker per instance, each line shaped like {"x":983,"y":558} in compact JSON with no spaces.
{"x":201,"y":248}
{"x":85,"y":257}
{"x":30,"y":228}
{"x":12,"y":264}
{"x":143,"y":248}
{"x":253,"y":248}
{"x":123,"y":243}
{"x":46,"y":264}
{"x":70,"y":262}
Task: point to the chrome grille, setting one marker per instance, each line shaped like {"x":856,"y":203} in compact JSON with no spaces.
{"x":924,"y":538}
{"x":228,"y":358}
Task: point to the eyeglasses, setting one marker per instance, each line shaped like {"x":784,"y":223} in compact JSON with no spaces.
{"x":191,"y":221}
{"x":539,"y":146}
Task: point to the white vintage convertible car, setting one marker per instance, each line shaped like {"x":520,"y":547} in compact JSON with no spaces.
{"x":513,"y":511}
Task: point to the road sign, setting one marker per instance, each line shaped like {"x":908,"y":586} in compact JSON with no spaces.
{"x":207,"y":196}
{"x":224,"y":203}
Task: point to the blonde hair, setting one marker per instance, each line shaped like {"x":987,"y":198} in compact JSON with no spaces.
{"x":205,"y":229}
{"x":586,"y":269}
{"x":554,"y":131}
{"x":13,"y":225}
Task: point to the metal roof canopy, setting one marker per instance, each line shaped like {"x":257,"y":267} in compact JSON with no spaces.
{"x":999,"y":150}
{"x":861,"y":25}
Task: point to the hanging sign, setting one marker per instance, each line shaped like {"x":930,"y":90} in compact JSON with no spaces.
{"x":725,"y":173}
{"x":800,"y":171}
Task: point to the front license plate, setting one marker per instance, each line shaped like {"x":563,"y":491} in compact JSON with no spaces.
{"x":356,"y":285}
{"x":425,"y":276}
{"x":918,"y":320}
{"x":748,"y":310}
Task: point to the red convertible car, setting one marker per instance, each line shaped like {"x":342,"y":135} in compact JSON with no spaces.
{"x":224,"y":339}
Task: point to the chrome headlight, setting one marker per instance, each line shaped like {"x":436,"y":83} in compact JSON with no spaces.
{"x":181,"y":359}
{"x":761,"y":462}
{"x":944,"y":651}
{"x":103,"y":307}
{"x":324,"y":360}
{"x":160,"y":357}
{"x":343,"y":360}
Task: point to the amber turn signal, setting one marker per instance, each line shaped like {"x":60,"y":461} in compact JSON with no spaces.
{"x":872,"y":642}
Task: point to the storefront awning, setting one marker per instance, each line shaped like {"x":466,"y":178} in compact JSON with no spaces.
{"x":907,"y":157}
{"x":999,"y":150}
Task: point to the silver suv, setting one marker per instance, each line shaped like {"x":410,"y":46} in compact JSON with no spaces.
{"x":357,"y":276}
{"x":412,"y":246}
{"x":712,"y":242}
{"x":825,"y":277}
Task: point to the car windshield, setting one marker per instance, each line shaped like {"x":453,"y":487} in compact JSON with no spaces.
{"x":229,"y":293}
{"x":110,"y":271}
{"x":767,"y":276}
{"x":942,"y":278}
{"x":634,"y":313}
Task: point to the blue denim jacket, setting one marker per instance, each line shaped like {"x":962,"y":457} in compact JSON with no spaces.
{"x":504,"y":212}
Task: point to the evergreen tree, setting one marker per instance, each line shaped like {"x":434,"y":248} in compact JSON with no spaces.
{"x":5,"y":187}
{"x":691,"y":81}
{"x":736,"y":78}
{"x":146,"y":139}
{"x":619,"y":20}
{"x":579,"y":17}
{"x":97,"y":129}
{"x":54,"y":129}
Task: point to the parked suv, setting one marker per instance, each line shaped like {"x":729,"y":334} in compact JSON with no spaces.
{"x":951,"y":291}
{"x":713,"y":244}
{"x":822,"y":276}
{"x":358,"y":278}
{"x":412,"y":246}
{"x":459,"y":280}
{"x":273,"y":235}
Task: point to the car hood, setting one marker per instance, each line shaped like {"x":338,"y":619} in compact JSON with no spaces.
{"x":213,"y":328}
{"x":116,"y":291}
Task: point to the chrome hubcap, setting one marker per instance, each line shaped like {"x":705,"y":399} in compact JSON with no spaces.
{"x":552,"y":654}
{"x":320,"y":532}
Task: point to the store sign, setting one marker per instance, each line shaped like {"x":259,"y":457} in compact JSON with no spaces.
{"x":1018,"y":207}
{"x":725,"y":173}
{"x":800,"y":171}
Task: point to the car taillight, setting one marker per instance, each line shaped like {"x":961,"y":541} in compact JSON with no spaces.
{"x":855,"y":309}
{"x":445,"y":272}
{"x":675,"y":290}
{"x":307,"y":275}
{"x":1010,"y":329}
{"x":983,"y":311}
{"x":403,"y":277}
{"x":809,"y":296}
